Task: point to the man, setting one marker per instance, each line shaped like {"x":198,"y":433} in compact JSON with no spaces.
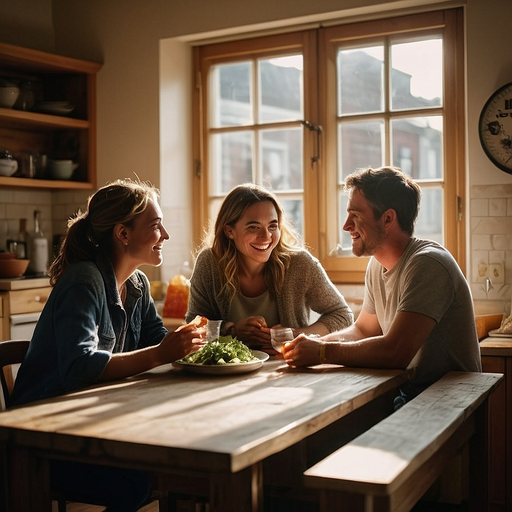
{"x":417,"y":311}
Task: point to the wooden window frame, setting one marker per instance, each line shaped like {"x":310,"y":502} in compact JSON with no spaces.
{"x":318,"y":48}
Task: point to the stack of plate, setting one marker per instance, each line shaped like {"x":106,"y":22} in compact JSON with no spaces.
{"x":61,"y":108}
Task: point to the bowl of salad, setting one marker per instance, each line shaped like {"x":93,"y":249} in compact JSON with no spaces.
{"x":223,"y":355}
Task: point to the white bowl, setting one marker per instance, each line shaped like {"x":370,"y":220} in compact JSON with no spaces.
{"x":61,"y":169}
{"x":8,"y":96}
{"x":8,"y":166}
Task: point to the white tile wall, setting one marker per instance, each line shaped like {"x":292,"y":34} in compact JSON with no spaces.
{"x":55,"y":207}
{"x":491,"y":248}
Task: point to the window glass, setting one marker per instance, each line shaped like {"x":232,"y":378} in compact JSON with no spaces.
{"x":230,"y":94}
{"x":418,"y":146}
{"x":231,"y":152}
{"x":293,"y":209}
{"x":280,"y":89}
{"x":417,"y":74}
{"x":281,"y":158}
{"x":430,"y":218}
{"x":360,"y":145}
{"x":360,"y":80}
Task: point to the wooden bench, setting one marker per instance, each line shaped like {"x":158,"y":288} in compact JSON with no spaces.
{"x":389,"y":467}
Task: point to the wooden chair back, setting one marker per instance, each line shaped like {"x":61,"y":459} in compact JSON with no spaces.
{"x":12,"y":352}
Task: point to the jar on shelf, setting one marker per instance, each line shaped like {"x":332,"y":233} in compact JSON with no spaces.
{"x":26,"y":99}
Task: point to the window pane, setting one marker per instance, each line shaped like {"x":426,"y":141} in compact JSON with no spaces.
{"x":294,"y":212}
{"x":416,"y":77}
{"x":230,"y":95}
{"x":280,"y":89}
{"x":231,"y":153}
{"x":418,"y":146}
{"x":430,"y":219}
{"x":281,"y":159}
{"x":344,"y":246}
{"x":360,"y":145}
{"x":360,"y":80}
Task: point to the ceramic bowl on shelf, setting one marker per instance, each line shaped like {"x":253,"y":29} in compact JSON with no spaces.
{"x":12,"y":267}
{"x":8,"y":165}
{"x":61,"y":169}
{"x":9,"y":93}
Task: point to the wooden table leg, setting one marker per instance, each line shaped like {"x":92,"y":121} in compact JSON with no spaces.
{"x":29,"y":481}
{"x":233,"y":492}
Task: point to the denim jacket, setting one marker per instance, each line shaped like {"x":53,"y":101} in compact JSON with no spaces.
{"x":81,"y":325}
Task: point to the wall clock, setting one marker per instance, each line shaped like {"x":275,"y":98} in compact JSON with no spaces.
{"x":495,"y":128}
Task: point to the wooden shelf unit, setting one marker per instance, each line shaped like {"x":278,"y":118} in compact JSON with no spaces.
{"x":53,"y":78}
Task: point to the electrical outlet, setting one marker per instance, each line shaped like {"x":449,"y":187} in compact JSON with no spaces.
{"x":483,"y":268}
{"x":496,"y":273}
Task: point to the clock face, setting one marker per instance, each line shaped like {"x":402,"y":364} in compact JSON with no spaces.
{"x":495,"y":128}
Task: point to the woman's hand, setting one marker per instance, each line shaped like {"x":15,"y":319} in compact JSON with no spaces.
{"x":175,"y":345}
{"x":253,"y":331}
{"x":183,"y":341}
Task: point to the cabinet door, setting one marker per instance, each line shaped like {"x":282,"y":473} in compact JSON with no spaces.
{"x":498,"y":435}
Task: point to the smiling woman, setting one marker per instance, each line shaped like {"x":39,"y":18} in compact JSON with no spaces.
{"x":100,"y":323}
{"x":254,"y":273}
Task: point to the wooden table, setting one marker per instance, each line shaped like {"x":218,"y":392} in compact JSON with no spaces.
{"x":170,"y":421}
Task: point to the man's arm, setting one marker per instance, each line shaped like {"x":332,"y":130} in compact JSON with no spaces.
{"x":365,"y":326}
{"x":395,"y":349}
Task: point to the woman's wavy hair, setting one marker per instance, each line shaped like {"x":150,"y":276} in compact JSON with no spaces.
{"x":388,"y":187}
{"x":118,"y":202}
{"x":233,"y":207}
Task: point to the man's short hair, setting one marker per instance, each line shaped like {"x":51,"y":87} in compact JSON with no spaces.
{"x":385,"y":188}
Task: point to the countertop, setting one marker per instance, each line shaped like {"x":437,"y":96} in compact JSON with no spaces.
{"x":494,"y":346}
{"x":24,"y":283}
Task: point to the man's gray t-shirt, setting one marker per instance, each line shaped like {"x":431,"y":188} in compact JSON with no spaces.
{"x":427,"y":280}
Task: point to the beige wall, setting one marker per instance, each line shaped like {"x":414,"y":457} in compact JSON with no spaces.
{"x":145,"y":128}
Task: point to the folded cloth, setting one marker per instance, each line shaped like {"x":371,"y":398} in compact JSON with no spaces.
{"x":506,"y":325}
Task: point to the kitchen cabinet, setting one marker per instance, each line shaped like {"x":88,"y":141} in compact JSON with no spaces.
{"x":20,"y":298}
{"x":58,"y":135}
{"x":497,"y":358}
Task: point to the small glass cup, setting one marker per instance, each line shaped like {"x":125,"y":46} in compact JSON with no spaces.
{"x":279,"y":337}
{"x":213,"y":329}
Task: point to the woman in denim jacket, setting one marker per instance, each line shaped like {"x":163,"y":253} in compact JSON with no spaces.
{"x":100,"y":323}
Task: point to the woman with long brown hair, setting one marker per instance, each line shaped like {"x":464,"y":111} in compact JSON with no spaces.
{"x":100,"y":323}
{"x":254,"y":273}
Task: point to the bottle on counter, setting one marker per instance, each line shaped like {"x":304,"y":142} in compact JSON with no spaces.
{"x":38,"y":248}
{"x":22,"y":240}
{"x":176,"y":297}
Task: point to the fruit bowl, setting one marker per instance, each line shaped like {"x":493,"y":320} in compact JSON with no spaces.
{"x":12,"y":267}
